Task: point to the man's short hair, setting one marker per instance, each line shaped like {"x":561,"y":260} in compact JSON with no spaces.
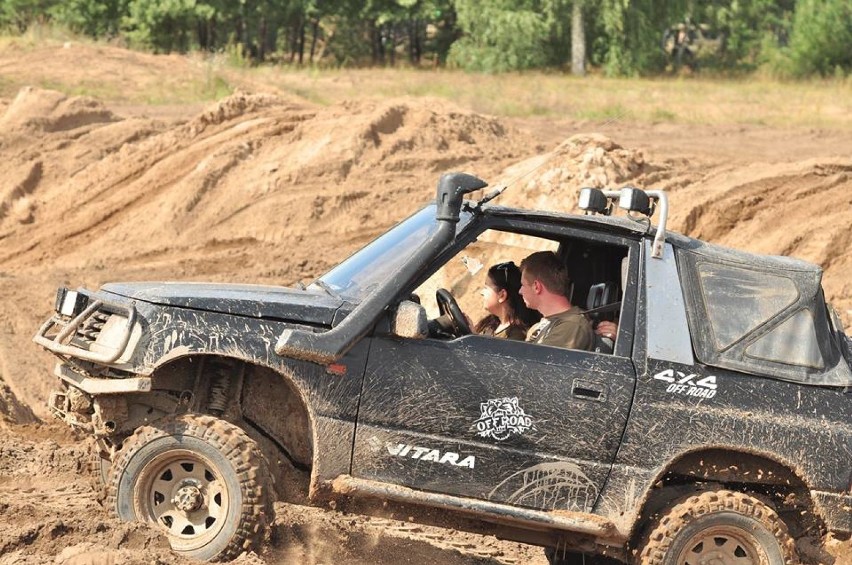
{"x":547,"y":268}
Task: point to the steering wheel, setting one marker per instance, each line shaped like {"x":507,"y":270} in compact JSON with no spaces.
{"x":448,"y":306}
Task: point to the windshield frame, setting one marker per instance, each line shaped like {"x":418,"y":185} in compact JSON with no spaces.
{"x":376,"y":263}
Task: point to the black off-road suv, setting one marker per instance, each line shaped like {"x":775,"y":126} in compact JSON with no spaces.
{"x":714,"y":430}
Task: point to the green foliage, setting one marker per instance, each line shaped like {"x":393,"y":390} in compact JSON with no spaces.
{"x":623,"y":37}
{"x":755,"y":30}
{"x":95,"y":18}
{"x":162,"y":25}
{"x":611,"y":47}
{"x":499,"y":37}
{"x":630,"y":37}
{"x":18,"y":15}
{"x":350,"y":39}
{"x":821,"y":41}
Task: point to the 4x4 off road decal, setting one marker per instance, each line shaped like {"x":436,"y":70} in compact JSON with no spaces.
{"x":502,"y":417}
{"x":688,"y":385}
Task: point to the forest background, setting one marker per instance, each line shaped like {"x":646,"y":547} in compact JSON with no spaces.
{"x":781,"y":38}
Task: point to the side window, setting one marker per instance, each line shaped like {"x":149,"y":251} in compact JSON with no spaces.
{"x":484,"y":279}
{"x":794,"y":342}
{"x":763,"y":319}
{"x":739,"y":300}
{"x":465,"y":274}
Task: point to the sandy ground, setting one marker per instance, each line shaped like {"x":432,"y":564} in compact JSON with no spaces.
{"x":269,"y":189}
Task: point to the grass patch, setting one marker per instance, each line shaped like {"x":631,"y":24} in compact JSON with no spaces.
{"x":606,"y":114}
{"x":661,"y":115}
{"x":824,"y":104}
{"x":102,"y":91}
{"x":112,"y":74}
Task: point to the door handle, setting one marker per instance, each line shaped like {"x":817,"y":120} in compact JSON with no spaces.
{"x":588,"y":390}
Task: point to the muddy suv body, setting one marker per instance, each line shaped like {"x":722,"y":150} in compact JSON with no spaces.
{"x":718,"y":426}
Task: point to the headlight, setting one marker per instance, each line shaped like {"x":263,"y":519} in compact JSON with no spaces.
{"x":70,"y":302}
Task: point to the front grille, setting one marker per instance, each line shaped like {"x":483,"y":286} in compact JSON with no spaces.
{"x":92,"y":326}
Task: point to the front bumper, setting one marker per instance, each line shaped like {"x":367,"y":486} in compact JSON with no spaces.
{"x":99,"y":334}
{"x":94,"y":405}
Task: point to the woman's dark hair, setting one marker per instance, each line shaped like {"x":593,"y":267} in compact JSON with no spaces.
{"x":507,"y":276}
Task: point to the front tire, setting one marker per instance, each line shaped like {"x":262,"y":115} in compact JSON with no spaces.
{"x":720,"y":527}
{"x":201,"y":480}
{"x":97,"y":469}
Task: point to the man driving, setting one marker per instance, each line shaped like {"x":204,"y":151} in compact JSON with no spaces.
{"x":544,"y":287}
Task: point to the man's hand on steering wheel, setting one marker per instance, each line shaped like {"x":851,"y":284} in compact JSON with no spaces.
{"x":448,"y":306}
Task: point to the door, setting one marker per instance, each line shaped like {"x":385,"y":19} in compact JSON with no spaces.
{"x":500,"y":420}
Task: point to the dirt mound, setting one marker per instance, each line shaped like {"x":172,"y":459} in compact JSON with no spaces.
{"x":552,"y":181}
{"x":11,"y":410}
{"x":40,"y":111}
{"x":796,"y":209}
{"x":251,"y":168}
{"x":48,"y":513}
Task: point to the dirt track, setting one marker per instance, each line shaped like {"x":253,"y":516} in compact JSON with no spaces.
{"x":259,"y":188}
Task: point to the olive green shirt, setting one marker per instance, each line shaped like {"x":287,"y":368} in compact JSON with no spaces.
{"x":569,"y":329}
{"x":509,"y":332}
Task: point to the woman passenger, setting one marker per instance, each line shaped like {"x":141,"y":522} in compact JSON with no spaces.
{"x":509,"y":317}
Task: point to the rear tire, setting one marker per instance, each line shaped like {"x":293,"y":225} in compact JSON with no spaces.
{"x":201,"y":480}
{"x":724,"y":527}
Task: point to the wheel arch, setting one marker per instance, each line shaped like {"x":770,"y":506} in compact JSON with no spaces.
{"x":269,"y":402}
{"x":772,"y":479}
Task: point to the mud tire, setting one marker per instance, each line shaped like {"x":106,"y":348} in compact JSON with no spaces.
{"x":230,"y":505}
{"x":97,"y":470}
{"x":738,"y":525}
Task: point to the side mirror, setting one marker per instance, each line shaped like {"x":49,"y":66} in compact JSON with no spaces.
{"x":409,"y":320}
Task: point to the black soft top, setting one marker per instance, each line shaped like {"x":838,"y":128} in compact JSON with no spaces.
{"x":612,"y":224}
{"x":760,"y":314}
{"x":718,"y":253}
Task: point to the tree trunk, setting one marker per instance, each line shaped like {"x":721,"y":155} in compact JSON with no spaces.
{"x":376,"y":37}
{"x":261,"y":39}
{"x":415,"y":46}
{"x":291,"y":41}
{"x":578,"y":40}
{"x":392,"y":45}
{"x":314,"y":33}
{"x":301,"y":41}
